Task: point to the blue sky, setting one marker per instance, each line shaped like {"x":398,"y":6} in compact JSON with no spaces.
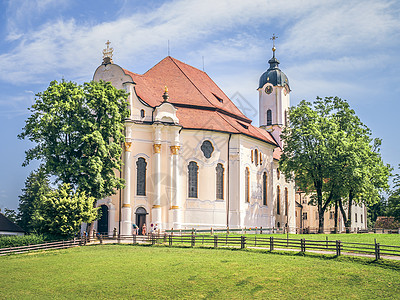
{"x":349,"y":49}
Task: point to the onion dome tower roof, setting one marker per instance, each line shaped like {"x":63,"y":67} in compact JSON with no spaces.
{"x":274,"y":75}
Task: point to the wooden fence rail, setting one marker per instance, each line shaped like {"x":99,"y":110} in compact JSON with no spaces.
{"x":43,"y":246}
{"x":219,"y":241}
{"x":273,"y":243}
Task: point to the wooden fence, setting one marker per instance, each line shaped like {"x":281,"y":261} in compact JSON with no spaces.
{"x":221,"y":241}
{"x":44,"y":246}
{"x":273,"y":243}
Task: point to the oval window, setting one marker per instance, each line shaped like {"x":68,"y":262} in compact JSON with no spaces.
{"x":207,"y":149}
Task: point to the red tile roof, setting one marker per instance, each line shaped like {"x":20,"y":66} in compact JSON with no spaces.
{"x":200,"y":102}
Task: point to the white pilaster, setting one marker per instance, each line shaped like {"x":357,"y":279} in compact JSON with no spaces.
{"x":175,"y":180}
{"x":126,"y":213}
{"x":156,"y":208}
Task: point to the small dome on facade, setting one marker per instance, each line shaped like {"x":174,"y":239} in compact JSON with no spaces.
{"x":274,"y":75}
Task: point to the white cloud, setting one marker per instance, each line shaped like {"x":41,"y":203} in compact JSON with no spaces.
{"x":16,"y":105}
{"x":344,"y":26}
{"x":22,"y":13}
{"x":71,"y":49}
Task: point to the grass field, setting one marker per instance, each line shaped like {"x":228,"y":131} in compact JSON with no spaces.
{"x":126,"y":271}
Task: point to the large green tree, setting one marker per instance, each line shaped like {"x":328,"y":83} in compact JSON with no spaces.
{"x":36,"y":187}
{"x":62,"y":211}
{"x":328,"y":150}
{"x":78,"y":132}
{"x":393,"y":205}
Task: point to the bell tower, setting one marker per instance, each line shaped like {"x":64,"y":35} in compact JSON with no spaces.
{"x":274,"y":98}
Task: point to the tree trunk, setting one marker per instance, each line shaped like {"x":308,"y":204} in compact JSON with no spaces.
{"x":348,"y":223}
{"x":320,"y":211}
{"x":343,"y":212}
{"x":336,"y":215}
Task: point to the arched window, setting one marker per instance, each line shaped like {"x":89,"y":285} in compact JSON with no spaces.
{"x":265,"y":188}
{"x":256,"y":156}
{"x":361,"y":218}
{"x":220,"y":181}
{"x":286,"y":201}
{"x":141,"y":177}
{"x":278,"y":200}
{"x":269,"y":117}
{"x":142,"y":114}
{"x":355,"y":218}
{"x":193,"y":169}
{"x":247,"y":184}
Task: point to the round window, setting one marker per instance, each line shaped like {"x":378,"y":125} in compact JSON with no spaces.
{"x":207,"y":149}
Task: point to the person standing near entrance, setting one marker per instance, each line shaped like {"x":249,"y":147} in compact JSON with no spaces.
{"x":144,"y":229}
{"x":135,"y":229}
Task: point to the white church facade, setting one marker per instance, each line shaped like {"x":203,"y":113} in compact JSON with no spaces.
{"x":192,"y":159}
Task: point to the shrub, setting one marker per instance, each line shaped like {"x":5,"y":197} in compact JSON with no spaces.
{"x":20,"y":240}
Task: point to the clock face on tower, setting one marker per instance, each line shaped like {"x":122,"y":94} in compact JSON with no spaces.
{"x":268,"y":89}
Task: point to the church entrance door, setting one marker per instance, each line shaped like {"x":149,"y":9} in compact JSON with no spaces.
{"x":141,"y":218}
{"x":102,"y":224}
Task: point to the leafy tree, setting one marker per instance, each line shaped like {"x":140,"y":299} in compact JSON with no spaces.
{"x":36,"y":186}
{"x":11,"y":214}
{"x":62,"y":211}
{"x":393,"y":207}
{"x":78,"y":131}
{"x":376,"y":210}
{"x":328,"y":150}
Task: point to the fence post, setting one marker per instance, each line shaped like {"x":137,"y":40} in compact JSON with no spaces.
{"x":377,"y":251}
{"x":242,"y":242}
{"x":326,"y":242}
{"x":271,"y":243}
{"x":193,"y":240}
{"x":215,"y":241}
{"x":170,"y":240}
{"x":338,"y":248}
{"x":303,"y":245}
{"x":165,"y":237}
{"x":255,"y":240}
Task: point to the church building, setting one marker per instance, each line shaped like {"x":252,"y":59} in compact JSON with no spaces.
{"x":192,"y":159}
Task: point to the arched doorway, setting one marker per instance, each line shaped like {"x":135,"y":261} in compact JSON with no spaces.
{"x":102,"y":223}
{"x":140,"y":218}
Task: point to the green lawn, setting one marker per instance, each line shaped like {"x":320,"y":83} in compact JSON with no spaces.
{"x":126,"y":271}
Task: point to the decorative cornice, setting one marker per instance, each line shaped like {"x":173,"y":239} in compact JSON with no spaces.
{"x":128,"y":146}
{"x":175,"y":149}
{"x":157,"y":148}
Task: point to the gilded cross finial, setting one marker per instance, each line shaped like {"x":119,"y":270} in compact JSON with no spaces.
{"x":108,"y":54}
{"x":274,"y":37}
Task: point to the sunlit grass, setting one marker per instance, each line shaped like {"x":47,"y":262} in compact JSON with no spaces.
{"x":126,"y":271}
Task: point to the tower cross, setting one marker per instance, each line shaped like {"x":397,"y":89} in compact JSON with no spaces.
{"x":108,"y":52}
{"x":274,"y":37}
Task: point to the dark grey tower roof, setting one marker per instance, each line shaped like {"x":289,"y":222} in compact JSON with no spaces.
{"x":274,"y":75}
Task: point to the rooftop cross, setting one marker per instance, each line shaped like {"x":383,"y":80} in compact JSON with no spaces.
{"x":107,"y":53}
{"x":274,"y":37}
